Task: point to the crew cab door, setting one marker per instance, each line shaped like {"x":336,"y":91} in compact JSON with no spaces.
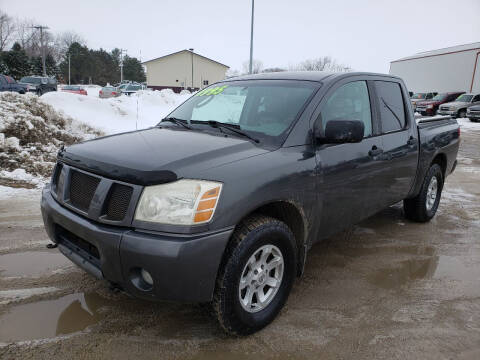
{"x":347,"y":172}
{"x":399,"y":142}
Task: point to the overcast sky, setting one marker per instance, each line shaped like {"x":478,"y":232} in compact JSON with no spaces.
{"x":365,"y":35}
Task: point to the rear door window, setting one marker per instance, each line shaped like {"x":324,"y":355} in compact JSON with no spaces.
{"x":392,"y":109}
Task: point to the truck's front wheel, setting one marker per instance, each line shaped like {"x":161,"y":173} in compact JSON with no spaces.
{"x":423,"y":207}
{"x":256,"y":275}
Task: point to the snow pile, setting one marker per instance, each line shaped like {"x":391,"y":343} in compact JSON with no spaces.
{"x":31,"y":132}
{"x":466,"y":124}
{"x":124,"y":113}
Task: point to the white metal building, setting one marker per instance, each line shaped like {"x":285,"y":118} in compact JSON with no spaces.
{"x":455,"y":68}
{"x":183,"y":69}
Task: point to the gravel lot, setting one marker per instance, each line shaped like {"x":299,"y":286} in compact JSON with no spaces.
{"x":387,"y":288}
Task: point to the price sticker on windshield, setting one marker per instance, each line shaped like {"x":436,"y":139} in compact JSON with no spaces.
{"x":212,"y":91}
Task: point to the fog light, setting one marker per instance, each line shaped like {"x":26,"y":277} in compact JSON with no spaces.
{"x":146,"y":277}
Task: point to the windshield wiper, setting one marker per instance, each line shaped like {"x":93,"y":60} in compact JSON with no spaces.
{"x":177,"y":121}
{"x":232,"y":127}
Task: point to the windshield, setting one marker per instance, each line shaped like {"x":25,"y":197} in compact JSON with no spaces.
{"x":465,"y":98}
{"x":440,"y":97}
{"x":265,"y":108}
{"x":31,"y":80}
{"x":419,"y":96}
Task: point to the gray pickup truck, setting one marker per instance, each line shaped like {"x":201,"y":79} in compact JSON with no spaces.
{"x":221,"y":201}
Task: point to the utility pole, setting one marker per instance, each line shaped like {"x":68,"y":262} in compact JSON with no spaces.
{"x":191,"y":50}
{"x":41,"y":28}
{"x":251,"y":40}
{"x":121,"y":63}
{"x":68,"y":68}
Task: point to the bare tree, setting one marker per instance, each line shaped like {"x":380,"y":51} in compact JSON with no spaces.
{"x":232,"y":73}
{"x":7,"y":30}
{"x":324,"y":63}
{"x":273,"y":69}
{"x":64,"y":40}
{"x":257,"y":66}
{"x":27,"y":36}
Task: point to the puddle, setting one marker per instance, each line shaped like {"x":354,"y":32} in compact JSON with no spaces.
{"x":435,"y":267}
{"x":32,"y":263}
{"x":405,"y":271}
{"x":50,"y":318}
{"x":457,"y":268}
{"x":389,"y":249}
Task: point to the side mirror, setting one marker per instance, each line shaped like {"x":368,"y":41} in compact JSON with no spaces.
{"x":341,"y":131}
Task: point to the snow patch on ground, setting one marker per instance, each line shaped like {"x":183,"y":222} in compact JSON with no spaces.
{"x":466,"y":124}
{"x":8,"y":296}
{"x":8,"y":192}
{"x":114,"y":115}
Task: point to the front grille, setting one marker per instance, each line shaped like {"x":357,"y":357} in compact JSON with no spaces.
{"x":77,"y":244}
{"x":56,"y":177}
{"x":118,"y":202}
{"x":82,"y":189}
{"x":444,"y":108}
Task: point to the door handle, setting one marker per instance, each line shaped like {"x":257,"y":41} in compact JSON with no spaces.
{"x":375,"y":151}
{"x":411,"y":141}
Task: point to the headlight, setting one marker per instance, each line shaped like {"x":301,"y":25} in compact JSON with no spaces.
{"x":429,"y":106}
{"x":468,"y":110}
{"x":183,"y":202}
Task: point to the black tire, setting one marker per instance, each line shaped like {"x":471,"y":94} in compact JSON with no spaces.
{"x":462,"y":113}
{"x":250,"y":236}
{"x":416,"y":208}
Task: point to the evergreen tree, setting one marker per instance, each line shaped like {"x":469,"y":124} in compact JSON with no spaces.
{"x":16,"y":61}
{"x":133,"y":69}
{"x":79,"y":64}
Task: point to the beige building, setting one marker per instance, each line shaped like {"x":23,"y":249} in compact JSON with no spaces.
{"x":175,"y":71}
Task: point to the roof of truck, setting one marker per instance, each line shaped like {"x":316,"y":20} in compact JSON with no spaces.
{"x":301,"y":75}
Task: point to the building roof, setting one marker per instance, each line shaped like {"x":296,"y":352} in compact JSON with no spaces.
{"x":178,"y":52}
{"x":443,"y":51}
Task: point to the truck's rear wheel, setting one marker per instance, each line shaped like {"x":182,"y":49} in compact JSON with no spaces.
{"x":423,"y":207}
{"x":256,"y":275}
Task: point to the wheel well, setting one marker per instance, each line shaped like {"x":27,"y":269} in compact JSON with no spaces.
{"x":293,"y":218}
{"x":441,"y":160}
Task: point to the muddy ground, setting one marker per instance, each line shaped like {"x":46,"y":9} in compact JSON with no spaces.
{"x":387,"y":288}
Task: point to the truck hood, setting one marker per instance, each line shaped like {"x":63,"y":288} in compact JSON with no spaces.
{"x":456,"y":104}
{"x":157,"y":155}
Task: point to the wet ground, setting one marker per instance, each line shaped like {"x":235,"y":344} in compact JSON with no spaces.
{"x":387,"y":288}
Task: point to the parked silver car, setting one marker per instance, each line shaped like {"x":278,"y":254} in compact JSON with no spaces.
{"x":458,"y":108}
{"x":108,"y":92}
{"x":132,"y":88}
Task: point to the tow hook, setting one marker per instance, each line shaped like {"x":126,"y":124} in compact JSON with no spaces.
{"x":51,"y":246}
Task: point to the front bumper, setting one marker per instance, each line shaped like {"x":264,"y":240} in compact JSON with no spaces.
{"x":447,"y":112}
{"x":183,"y":267}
